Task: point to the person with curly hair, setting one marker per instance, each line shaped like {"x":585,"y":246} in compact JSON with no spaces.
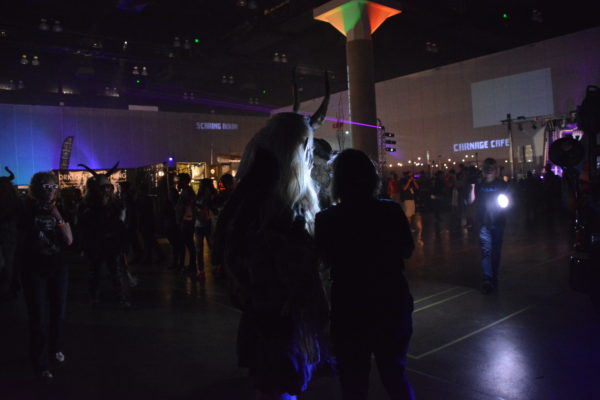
{"x":44,"y":235}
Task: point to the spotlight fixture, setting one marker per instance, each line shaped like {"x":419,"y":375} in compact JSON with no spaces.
{"x":283,"y":58}
{"x":44,"y":25}
{"x":186,"y":44}
{"x":276,"y":57}
{"x":3,"y":34}
{"x":125,"y":45}
{"x":537,"y":16}
{"x":176,"y":42}
{"x":20,"y":85}
{"x":97,"y":44}
{"x":135,"y":71}
{"x":24,"y":59}
{"x":35,"y":61}
{"x":241,"y":3}
{"x":57,"y":27}
{"x":224,"y":79}
{"x":144,"y":71}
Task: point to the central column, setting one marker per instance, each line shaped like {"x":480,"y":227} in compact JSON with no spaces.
{"x":361,"y":87}
{"x":357,"y":20}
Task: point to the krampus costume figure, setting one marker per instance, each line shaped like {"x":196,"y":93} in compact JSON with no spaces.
{"x":104,"y":234}
{"x":8,"y":235}
{"x":264,"y":238}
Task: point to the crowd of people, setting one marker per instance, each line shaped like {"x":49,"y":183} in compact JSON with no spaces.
{"x":40,"y":229}
{"x":279,"y":235}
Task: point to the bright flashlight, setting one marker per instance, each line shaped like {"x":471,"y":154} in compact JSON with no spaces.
{"x":503,"y":201}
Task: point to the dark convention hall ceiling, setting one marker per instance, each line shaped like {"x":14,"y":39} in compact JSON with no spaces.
{"x":237,"y":55}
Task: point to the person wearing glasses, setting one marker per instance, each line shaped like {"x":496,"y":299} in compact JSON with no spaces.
{"x":44,"y":235}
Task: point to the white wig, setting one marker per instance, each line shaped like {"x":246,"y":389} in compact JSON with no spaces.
{"x":288,"y":138}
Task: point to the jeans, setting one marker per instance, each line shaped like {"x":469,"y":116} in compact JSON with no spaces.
{"x":115,"y":272}
{"x":383,"y":333}
{"x":490,"y":241}
{"x":186,"y":235}
{"x":201,"y":233}
{"x":46,"y":297}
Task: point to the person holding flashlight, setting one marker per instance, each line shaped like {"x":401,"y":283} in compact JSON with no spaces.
{"x":492,"y":201}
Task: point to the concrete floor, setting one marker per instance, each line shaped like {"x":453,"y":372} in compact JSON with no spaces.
{"x":532,"y":339}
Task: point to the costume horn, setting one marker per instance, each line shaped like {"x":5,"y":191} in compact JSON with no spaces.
{"x":91,"y":171}
{"x":113,"y":169}
{"x":317,"y":119}
{"x":295,"y":91}
{"x":11,"y":176}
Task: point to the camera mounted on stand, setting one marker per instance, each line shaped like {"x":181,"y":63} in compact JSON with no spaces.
{"x":580,"y":161}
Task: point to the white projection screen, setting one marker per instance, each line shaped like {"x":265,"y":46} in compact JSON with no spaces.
{"x":528,"y":94}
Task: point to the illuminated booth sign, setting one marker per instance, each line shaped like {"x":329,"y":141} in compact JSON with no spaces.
{"x":78,"y":178}
{"x":481,"y":145}
{"x":217,"y":126}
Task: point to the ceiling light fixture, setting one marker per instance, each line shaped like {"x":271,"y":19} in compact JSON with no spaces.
{"x":44,"y":25}
{"x":431,"y":47}
{"x":57,"y":27}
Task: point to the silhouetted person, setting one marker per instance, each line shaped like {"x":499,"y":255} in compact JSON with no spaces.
{"x":371,"y":305}
{"x":167,"y":198}
{"x":393,"y":188}
{"x":9,"y":212}
{"x":264,"y":240}
{"x":410,"y":187}
{"x":226,"y":186}
{"x":147,"y":220}
{"x":203,"y":225}
{"x":44,"y":234}
{"x":104,"y":235}
{"x":491,"y":200}
{"x":185,"y":216}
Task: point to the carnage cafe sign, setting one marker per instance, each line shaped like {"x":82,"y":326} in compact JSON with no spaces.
{"x":481,"y":145}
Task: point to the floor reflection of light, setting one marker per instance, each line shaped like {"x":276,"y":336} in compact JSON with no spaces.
{"x":507,"y":370}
